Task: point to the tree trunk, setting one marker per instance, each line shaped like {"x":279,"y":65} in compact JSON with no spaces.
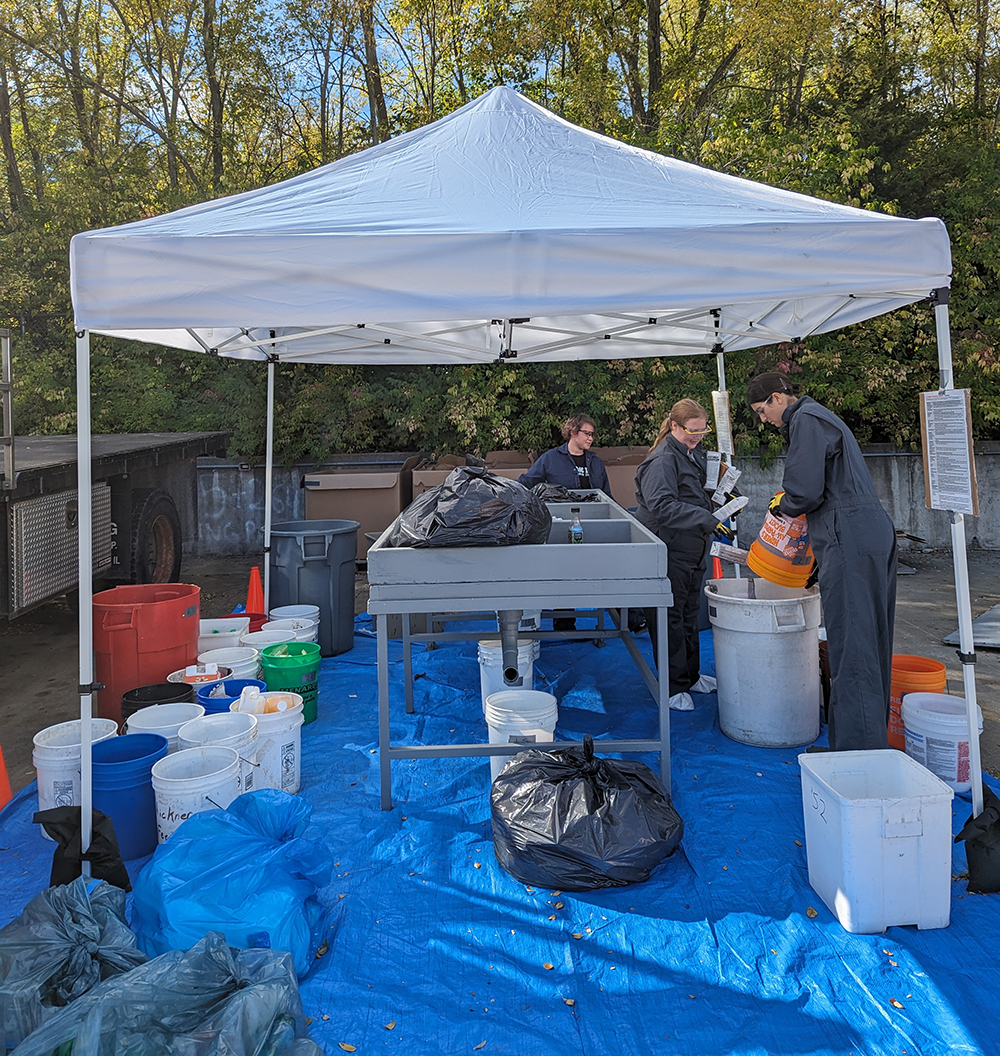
{"x":210,"y":43}
{"x":654,"y":61}
{"x":15,"y":188}
{"x":373,"y":75}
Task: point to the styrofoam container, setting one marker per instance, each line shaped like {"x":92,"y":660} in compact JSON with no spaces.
{"x":878,"y":839}
{"x":304,"y":629}
{"x":491,"y":665}
{"x":279,"y":741}
{"x":236,"y":730}
{"x":56,"y":758}
{"x":936,"y":730}
{"x":222,"y":634}
{"x":191,"y":781}
{"x":519,"y":716}
{"x":164,"y":719}
{"x":181,"y":675}
{"x":243,"y":660}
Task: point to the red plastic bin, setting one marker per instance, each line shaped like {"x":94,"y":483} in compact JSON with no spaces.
{"x":141,"y":634}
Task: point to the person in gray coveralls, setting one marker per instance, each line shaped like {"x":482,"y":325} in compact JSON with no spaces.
{"x":673,"y":503}
{"x":854,"y":543}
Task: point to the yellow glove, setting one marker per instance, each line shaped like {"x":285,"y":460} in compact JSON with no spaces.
{"x":774,"y":506}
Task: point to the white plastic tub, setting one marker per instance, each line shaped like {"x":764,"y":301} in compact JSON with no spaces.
{"x":878,"y":839}
{"x":222,"y":634}
{"x":191,"y":781}
{"x":491,"y":665}
{"x":260,"y":640}
{"x":56,"y":758}
{"x":519,"y":716}
{"x":236,"y":730}
{"x":164,"y":719}
{"x":279,"y":742}
{"x":936,"y":729}
{"x":242,"y":660}
{"x":304,"y":629}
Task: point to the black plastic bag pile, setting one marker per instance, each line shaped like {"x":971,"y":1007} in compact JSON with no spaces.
{"x":982,"y":846}
{"x":557,"y":493}
{"x":574,"y":822}
{"x":68,"y":939}
{"x":473,"y":508}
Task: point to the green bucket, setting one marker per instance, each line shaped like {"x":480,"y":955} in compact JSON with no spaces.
{"x":293,"y":666}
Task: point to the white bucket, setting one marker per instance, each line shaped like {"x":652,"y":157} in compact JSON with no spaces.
{"x":237,"y":731}
{"x":191,"y":781}
{"x":260,"y":640}
{"x":304,"y":629}
{"x":766,"y":661}
{"x":936,"y":727}
{"x":243,"y":661}
{"x":519,"y":716}
{"x":181,"y":675}
{"x":221,"y":634}
{"x":491,"y":665}
{"x":164,"y":719}
{"x":56,"y":758}
{"x":279,"y":742}
{"x":294,"y":612}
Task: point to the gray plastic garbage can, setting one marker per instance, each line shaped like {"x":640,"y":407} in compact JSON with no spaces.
{"x":312,"y":563}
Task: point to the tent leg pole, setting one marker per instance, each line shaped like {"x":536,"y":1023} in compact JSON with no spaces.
{"x":85,"y":547}
{"x":725,"y":429}
{"x":268,"y":482}
{"x":966,"y":638}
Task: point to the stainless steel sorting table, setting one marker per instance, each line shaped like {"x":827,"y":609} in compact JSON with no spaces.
{"x":620,"y":565}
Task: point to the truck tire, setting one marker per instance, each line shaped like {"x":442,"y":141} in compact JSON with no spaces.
{"x":156,"y":538}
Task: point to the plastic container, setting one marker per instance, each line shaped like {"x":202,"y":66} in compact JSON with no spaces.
{"x":257,"y":619}
{"x":222,"y":634}
{"x":165,"y":720}
{"x":191,"y":781}
{"x":312,"y":563}
{"x":260,"y":640}
{"x":123,"y":788}
{"x":56,"y":758}
{"x":243,"y":661}
{"x":200,"y":679}
{"x":304,"y":629}
{"x":519,"y":716}
{"x":878,"y":839}
{"x":293,"y":666}
{"x":236,"y":730}
{"x":911,"y":674}
{"x":279,"y":742}
{"x":141,"y":633}
{"x":937,"y":736}
{"x":233,"y":687}
{"x":766,"y":662}
{"x":781,"y":553}
{"x":296,"y":612}
{"x":491,"y":665}
{"x":158,"y":693}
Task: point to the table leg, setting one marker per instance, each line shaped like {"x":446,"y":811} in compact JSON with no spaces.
{"x":382,"y":659}
{"x":407,"y":664}
{"x":663,"y":678}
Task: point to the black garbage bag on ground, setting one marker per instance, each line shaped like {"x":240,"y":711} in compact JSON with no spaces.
{"x":557,"y":493}
{"x":68,"y":939}
{"x":571,"y":821}
{"x":473,"y":508}
{"x":211,"y":1000}
{"x":982,"y":846}
{"x":63,"y":825}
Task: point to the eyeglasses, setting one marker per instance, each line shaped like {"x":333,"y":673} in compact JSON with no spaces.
{"x":587,"y":432}
{"x":696,"y":432}
{"x":759,"y":411}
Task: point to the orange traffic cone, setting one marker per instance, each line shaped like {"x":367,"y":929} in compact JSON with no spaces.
{"x":255,"y":591}
{"x":716,"y":568}
{"x":5,"y":793}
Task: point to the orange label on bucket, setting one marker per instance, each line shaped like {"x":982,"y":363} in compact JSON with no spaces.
{"x":788,"y":537}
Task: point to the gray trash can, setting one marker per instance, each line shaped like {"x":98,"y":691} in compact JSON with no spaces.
{"x":312,"y":563}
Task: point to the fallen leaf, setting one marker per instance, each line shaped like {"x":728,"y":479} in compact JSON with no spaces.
{"x":477,"y":865}
{"x":559,"y":905}
{"x":530,"y":890}
{"x":811,"y":913}
{"x":894,"y":964}
{"x":324,"y":948}
{"x":798,"y":843}
{"x":341,"y":896}
{"x":555,"y":893}
{"x":568,"y":1001}
{"x":309,"y":1019}
{"x":481,"y":1045}
{"x":548,"y":967}
{"x":553,"y":917}
{"x":577,"y":934}
{"x":390,"y":1026}
{"x":346,"y":1046}
{"x":894,"y":1003}
{"x":775,"y":952}
{"x":725,"y":868}
{"x":324,"y":1017}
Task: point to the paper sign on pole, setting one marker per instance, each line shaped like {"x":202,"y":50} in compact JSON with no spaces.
{"x":949,"y":461}
{"x":712,"y":470}
{"x":723,"y":427}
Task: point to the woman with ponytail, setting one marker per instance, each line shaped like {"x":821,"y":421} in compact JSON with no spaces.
{"x":673,"y":503}
{"x":854,"y":543}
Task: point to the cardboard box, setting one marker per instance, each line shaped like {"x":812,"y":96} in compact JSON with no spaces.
{"x":621,"y":464}
{"x":508,"y":464}
{"x":373,"y":497}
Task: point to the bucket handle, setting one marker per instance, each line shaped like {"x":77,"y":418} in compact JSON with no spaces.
{"x":118,"y":621}
{"x":789,"y":618}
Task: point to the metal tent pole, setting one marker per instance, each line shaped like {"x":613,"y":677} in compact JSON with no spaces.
{"x":85,"y":518}
{"x":967,"y":649}
{"x":268,"y":478}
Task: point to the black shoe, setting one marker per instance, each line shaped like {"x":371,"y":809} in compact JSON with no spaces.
{"x":564,"y":623}
{"x":818,"y":748}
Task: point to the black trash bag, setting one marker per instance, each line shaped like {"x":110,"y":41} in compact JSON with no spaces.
{"x":211,"y":1000}
{"x":68,"y":939}
{"x":557,"y":493}
{"x":570,"y":821}
{"x":63,"y":825}
{"x":982,"y":846}
{"x":473,"y":508}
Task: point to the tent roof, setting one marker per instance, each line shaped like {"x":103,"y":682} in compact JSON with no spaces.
{"x":501,"y":228}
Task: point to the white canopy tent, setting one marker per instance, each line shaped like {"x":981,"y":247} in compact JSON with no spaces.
{"x":500,"y":232}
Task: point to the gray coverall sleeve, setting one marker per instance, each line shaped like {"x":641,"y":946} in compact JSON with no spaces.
{"x":809,"y":444}
{"x":660,"y":497}
{"x":535,"y":474}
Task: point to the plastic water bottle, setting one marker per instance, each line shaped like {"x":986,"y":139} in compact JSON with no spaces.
{"x":576,"y":528}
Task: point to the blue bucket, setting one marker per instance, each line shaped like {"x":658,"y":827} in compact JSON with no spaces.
{"x":123,"y":789}
{"x":233,"y":686}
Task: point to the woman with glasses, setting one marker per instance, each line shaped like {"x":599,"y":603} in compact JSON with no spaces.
{"x":673,"y":503}
{"x":572,"y":464}
{"x":854,"y":543}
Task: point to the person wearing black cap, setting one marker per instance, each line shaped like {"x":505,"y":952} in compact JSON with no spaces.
{"x":854,"y":543}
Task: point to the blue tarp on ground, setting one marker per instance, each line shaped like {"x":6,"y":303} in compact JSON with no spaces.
{"x":434,"y":949}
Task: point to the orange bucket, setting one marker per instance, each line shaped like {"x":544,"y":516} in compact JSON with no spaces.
{"x":911,"y":674}
{"x":781,"y":553}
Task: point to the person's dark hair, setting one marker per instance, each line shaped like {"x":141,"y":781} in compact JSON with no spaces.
{"x":572,"y":425}
{"x":761,"y":386}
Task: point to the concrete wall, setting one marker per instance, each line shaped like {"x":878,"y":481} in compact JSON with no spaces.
{"x":230,"y":500}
